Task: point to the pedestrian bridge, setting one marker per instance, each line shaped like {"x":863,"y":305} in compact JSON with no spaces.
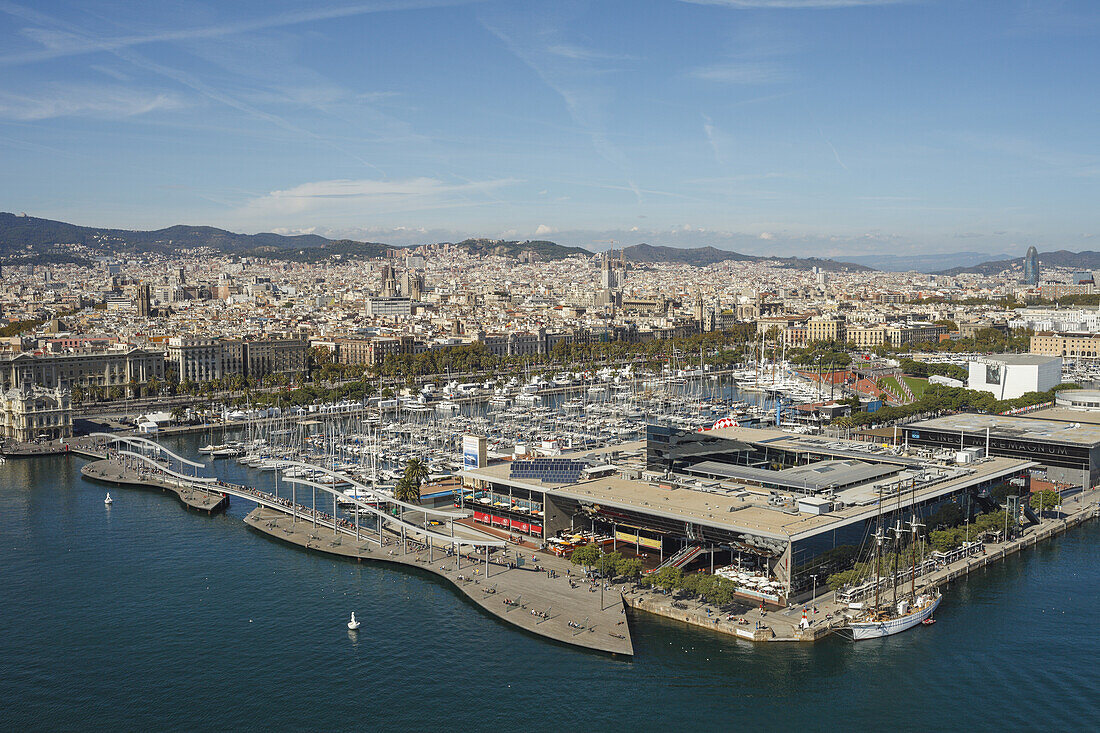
{"x":152,"y":462}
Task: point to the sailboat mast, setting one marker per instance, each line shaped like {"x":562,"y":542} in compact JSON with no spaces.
{"x":897,"y":552}
{"x":913,"y":552}
{"x":878,"y":564}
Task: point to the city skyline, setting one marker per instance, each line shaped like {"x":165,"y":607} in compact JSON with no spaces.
{"x":825,"y":127}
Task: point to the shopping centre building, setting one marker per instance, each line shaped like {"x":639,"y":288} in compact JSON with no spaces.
{"x":793,"y":506}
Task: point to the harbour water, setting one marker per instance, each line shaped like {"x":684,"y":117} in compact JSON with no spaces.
{"x":144,"y":616}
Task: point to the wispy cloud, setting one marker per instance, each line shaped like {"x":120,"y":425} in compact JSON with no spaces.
{"x":572,"y":80}
{"x":179,"y":76}
{"x":792,"y":4}
{"x":586,"y":54}
{"x":60,"y":43}
{"x":712,"y":134}
{"x":742,"y":72}
{"x":318,"y":97}
{"x":836,"y":155}
{"x":343,"y":197}
{"x":74,"y":100}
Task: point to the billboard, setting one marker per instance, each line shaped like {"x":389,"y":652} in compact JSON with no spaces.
{"x":637,"y":539}
{"x":473,"y":451}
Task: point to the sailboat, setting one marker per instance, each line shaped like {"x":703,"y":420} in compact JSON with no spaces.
{"x":901,"y":614}
{"x":894,"y":620}
{"x":108,"y":501}
{"x":353,"y":624}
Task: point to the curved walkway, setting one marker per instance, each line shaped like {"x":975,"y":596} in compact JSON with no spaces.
{"x":572,"y":615}
{"x":538,"y":601}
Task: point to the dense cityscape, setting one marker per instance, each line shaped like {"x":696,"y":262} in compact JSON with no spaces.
{"x":156,"y":326}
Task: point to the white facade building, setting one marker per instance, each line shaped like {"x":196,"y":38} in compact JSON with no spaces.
{"x":1057,"y":320}
{"x":1008,"y":376}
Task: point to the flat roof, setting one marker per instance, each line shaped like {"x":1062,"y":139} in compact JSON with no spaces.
{"x":1017,"y":359}
{"x":1067,"y":414}
{"x":1020,"y":428}
{"x":819,"y":445}
{"x":744,"y":509}
{"x":816,"y":476}
{"x":735,"y":507}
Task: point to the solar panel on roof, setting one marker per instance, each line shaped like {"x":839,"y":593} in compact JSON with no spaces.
{"x":548,"y":470}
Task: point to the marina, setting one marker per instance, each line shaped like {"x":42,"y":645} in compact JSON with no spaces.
{"x":373,"y":440}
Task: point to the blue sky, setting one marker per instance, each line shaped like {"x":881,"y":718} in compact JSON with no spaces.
{"x":824,"y":127}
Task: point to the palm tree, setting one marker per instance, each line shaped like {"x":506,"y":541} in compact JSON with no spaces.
{"x":408,"y":488}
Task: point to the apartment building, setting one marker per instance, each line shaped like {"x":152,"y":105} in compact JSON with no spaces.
{"x":1084,"y":345}
{"x":395,"y":307}
{"x":897,"y":335}
{"x":825,"y":328}
{"x":113,"y":367}
{"x":202,"y":359}
{"x":276,"y":355}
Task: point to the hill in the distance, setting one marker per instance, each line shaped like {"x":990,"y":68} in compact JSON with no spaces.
{"x":28,"y":238}
{"x":1087,"y":260}
{"x":929,"y":263}
{"x":703,"y":256}
{"x":698,"y":256}
{"x":542,"y":249}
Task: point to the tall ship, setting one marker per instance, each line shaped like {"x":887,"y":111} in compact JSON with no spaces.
{"x":900,"y":609}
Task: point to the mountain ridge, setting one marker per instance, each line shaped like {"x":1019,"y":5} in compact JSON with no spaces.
{"x":707,"y":255}
{"x":1084,"y":260}
{"x":31,"y":239}
{"x":28,"y":238}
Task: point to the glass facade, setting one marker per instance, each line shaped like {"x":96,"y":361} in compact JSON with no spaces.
{"x":674,"y":449}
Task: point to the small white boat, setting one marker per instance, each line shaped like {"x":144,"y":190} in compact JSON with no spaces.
{"x":108,"y":501}
{"x":353,"y":624}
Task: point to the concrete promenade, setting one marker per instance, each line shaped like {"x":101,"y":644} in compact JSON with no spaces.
{"x":558,"y":607}
{"x":110,"y":472}
{"x":603,"y":629}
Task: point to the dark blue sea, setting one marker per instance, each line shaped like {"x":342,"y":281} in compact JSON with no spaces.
{"x":143,"y":616}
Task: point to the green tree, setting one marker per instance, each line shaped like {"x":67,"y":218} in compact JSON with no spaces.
{"x":416,"y":470}
{"x":721,"y":591}
{"x":1046,"y":499}
{"x":408,"y":487}
{"x":608,"y":563}
{"x":629,"y":567}
{"x":669,"y":578}
{"x":586,"y":555}
{"x":406,"y":491}
{"x":691,"y":584}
